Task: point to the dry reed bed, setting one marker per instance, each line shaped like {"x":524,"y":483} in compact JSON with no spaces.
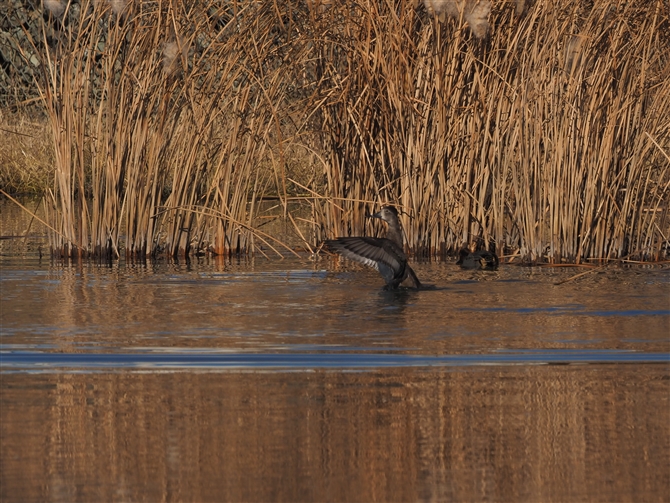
{"x":160,"y":116}
{"x":548,"y":139}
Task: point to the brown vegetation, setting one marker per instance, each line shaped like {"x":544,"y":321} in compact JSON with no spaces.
{"x":548,"y":137}
{"x":26,"y":153}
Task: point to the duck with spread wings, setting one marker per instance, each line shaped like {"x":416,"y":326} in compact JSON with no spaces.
{"x":386,"y":255}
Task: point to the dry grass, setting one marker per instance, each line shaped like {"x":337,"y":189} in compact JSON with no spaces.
{"x":540,"y":140}
{"x":547,"y":137}
{"x":161,"y":114}
{"x":26,"y":153}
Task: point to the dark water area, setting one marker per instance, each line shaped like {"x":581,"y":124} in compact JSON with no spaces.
{"x":301,"y":380}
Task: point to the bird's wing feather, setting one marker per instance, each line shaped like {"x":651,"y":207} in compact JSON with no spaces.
{"x":369,"y":251}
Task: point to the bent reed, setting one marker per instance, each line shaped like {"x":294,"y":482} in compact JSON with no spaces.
{"x":548,"y":138}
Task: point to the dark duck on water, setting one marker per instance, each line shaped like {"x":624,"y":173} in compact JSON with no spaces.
{"x":480,"y":259}
{"x":386,"y":255}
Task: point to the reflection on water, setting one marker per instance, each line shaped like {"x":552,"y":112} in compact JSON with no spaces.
{"x":161,"y":359}
{"x":301,"y":381}
{"x":291,"y":305}
{"x":497,"y":434}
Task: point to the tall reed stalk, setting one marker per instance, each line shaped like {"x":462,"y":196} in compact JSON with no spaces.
{"x":548,"y":138}
{"x":162,"y":114}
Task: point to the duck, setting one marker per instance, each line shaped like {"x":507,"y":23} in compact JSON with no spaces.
{"x":386,"y":255}
{"x":480,"y":259}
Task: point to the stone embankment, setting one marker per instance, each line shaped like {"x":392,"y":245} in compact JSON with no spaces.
{"x":20,"y":34}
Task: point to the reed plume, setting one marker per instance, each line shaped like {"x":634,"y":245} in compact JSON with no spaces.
{"x":160,"y":150}
{"x":474,"y":12}
{"x":55,"y":7}
{"x":547,"y":138}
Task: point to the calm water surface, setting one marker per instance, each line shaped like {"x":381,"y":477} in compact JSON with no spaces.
{"x":297,"y":380}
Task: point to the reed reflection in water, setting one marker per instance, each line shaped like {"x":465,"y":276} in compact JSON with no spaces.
{"x":284,"y":306}
{"x":556,"y":433}
{"x":527,"y":431}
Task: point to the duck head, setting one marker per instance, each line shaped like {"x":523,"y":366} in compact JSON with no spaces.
{"x":387,"y":213}
{"x":394,"y":232}
{"x":462,"y":255}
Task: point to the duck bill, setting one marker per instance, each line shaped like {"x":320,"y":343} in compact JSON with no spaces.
{"x":376,"y":215}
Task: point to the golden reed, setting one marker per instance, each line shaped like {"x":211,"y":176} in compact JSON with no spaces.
{"x":539,"y":129}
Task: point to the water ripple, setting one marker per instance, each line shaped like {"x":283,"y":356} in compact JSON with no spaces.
{"x":43,"y":361}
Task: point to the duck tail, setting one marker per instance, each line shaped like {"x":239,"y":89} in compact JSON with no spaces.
{"x":412,"y":277}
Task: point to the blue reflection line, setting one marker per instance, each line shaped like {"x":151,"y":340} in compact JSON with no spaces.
{"x":550,"y":310}
{"x":568,"y":310}
{"x":633,"y":312}
{"x":43,"y":361}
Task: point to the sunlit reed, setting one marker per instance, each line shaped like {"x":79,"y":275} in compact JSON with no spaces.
{"x":161,"y":120}
{"x":539,"y":128}
{"x":546,"y":140}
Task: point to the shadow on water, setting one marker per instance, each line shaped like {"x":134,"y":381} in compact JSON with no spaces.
{"x":290,"y":380}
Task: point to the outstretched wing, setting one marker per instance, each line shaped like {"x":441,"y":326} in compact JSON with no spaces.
{"x":379,"y":253}
{"x":369,"y":251}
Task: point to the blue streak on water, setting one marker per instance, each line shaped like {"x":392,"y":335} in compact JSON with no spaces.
{"x":570,"y":310}
{"x":35,"y":361}
{"x":628,"y":313}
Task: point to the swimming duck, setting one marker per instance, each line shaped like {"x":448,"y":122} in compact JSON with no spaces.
{"x":481,"y":259}
{"x":386,"y":255}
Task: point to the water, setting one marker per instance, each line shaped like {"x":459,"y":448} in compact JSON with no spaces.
{"x":298,"y":314}
{"x":299,"y":380}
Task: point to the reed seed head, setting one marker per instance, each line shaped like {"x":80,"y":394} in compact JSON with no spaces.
{"x":118,"y":6}
{"x":475,"y":12}
{"x":477,"y":16}
{"x":520,"y":6}
{"x":55,"y":7}
{"x":170,"y":53}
